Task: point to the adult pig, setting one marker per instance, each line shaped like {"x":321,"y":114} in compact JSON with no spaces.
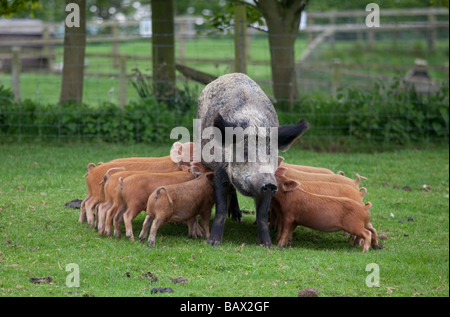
{"x":229,"y":103}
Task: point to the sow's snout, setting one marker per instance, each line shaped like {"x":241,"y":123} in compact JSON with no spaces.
{"x":264,"y":184}
{"x":269,"y":189}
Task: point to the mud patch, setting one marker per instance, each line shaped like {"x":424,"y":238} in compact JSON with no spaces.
{"x":39,"y":280}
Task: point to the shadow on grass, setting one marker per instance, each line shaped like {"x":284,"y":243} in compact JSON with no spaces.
{"x":245,"y":232}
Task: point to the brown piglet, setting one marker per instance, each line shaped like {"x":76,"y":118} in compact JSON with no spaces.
{"x":318,"y":177}
{"x":95,"y":175}
{"x":179,"y":202}
{"x":132,"y":197}
{"x":294,"y":206}
{"x":328,"y":188}
{"x":304,"y":168}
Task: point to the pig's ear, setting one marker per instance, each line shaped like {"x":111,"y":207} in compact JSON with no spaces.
{"x":195,"y":170}
{"x":175,"y":152}
{"x":290,"y":185}
{"x":288,"y":133}
{"x":221,"y":124}
{"x":280,"y":171}
{"x":177,"y":145}
{"x":280,"y":160}
{"x":210,"y":177}
{"x":183,"y":166}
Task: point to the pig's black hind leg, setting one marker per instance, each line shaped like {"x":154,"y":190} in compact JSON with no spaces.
{"x":233,"y":207}
{"x":222,"y":191}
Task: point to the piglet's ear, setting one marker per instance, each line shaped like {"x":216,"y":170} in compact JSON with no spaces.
{"x":280,"y":160}
{"x":183,"y":166}
{"x":210,"y":177}
{"x":175,"y":152}
{"x":290,"y":185}
{"x":281,"y":171}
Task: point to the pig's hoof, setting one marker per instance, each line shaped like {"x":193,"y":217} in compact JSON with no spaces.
{"x":378,"y":247}
{"x":214,"y":242}
{"x":266,"y":244}
{"x":151,"y":244}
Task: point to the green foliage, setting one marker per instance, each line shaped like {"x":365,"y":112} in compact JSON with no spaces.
{"x":392,"y":114}
{"x":144,"y":121}
{"x":223,"y":20}
{"x":385,"y":115}
{"x":172,"y":97}
{"x":13,"y":7}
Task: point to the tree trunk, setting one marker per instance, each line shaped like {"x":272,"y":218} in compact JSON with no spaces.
{"x":283,"y":22}
{"x":163,"y":49}
{"x":74,"y":51}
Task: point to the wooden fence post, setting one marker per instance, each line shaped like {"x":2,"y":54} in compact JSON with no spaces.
{"x":240,"y":41}
{"x":46,"y":50}
{"x":446,"y":72}
{"x":309,"y":25}
{"x":115,"y":43}
{"x":15,"y":72}
{"x":181,"y":39}
{"x":336,"y":76}
{"x":122,"y":81}
{"x":332,"y":21}
{"x":370,"y":37}
{"x":431,"y":32}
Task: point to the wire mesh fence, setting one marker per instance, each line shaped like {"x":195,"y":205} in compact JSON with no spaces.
{"x":386,"y":85}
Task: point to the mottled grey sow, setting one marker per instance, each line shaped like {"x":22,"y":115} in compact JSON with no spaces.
{"x":235,"y":100}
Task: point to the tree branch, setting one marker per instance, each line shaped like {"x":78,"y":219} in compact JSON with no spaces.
{"x":247,"y":3}
{"x":298,"y":5}
{"x":257,"y":28}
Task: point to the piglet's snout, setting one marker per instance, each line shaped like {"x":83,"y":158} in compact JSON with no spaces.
{"x":269,"y":189}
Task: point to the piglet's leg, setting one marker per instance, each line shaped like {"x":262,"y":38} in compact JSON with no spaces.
{"x":90,"y":205}
{"x":102,"y":210}
{"x":145,"y":228}
{"x":285,"y":232}
{"x":156,"y":224}
{"x":128,"y":219}
{"x":374,"y":235}
{"x":195,"y":231}
{"x":82,"y":217}
{"x":356,"y":228}
{"x":118,"y":219}
{"x":109,"y":219}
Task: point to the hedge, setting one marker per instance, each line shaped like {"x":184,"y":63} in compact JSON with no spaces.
{"x":383,"y":114}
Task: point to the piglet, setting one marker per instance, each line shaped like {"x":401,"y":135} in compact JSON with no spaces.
{"x":295,"y":206}
{"x":179,"y":203}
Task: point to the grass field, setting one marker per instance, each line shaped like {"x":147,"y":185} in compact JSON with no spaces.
{"x":39,"y":237}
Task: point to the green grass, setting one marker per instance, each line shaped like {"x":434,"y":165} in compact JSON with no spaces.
{"x":39,"y":236}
